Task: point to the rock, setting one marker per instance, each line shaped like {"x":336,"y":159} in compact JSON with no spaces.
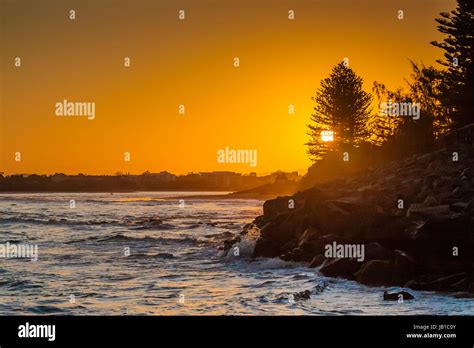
{"x":395,"y":296}
{"x":230,"y":242}
{"x":403,"y":267}
{"x":302,"y":295}
{"x":469,"y":209}
{"x":430,"y":201}
{"x":423,"y":211}
{"x":446,"y":283}
{"x":309,"y":242}
{"x":428,"y":181}
{"x":426,"y":158}
{"x":309,"y":235}
{"x":386,"y":229}
{"x":462,"y":285}
{"x":470,"y":288}
{"x":444,"y":228}
{"x":458,"y":206}
{"x":317,"y":246}
{"x":374,"y":272}
{"x":415,"y":285}
{"x":274,"y":207}
{"x":467,"y":172}
{"x":296,"y":255}
{"x":319,"y":288}
{"x":340,"y":267}
{"x":276,"y":234}
{"x":463,"y":294}
{"x":441,"y":182}
{"x":407,"y":192}
{"x":266,"y":247}
{"x":165,"y":256}
{"x":317,"y":261}
{"x":438,"y":214}
{"x":334,"y":219}
{"x":290,"y":245}
{"x":453,"y":265}
{"x":375,"y":251}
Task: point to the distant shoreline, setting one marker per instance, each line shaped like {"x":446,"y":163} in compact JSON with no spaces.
{"x":211,"y":195}
{"x":113,"y":192}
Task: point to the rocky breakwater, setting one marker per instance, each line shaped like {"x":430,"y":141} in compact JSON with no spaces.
{"x":413,"y":219}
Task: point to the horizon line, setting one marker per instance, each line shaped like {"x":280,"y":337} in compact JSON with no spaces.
{"x":300,"y":172}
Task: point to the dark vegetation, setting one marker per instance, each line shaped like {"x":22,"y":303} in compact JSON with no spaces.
{"x":445,"y":97}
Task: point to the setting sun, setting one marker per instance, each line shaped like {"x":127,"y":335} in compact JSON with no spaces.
{"x":327,"y":135}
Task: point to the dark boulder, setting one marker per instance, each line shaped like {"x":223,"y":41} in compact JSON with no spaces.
{"x":340,"y":267}
{"x":444,"y":228}
{"x":459,"y":207}
{"x":428,"y":211}
{"x":302,"y":295}
{"x":374,"y":272}
{"x":403,"y":267}
{"x":463,"y":294}
{"x":416,"y":285}
{"x":317,"y":261}
{"x":462,"y":285}
{"x":296,"y":254}
{"x":276,"y":234}
{"x":447,"y":283}
{"x":274,"y":207}
{"x":375,"y":251}
{"x":309,"y":235}
{"x":470,"y":288}
{"x":309,"y":243}
{"x":165,"y":256}
{"x":230,"y":242}
{"x":288,"y":246}
{"x":396,"y":296}
{"x":318,"y":246}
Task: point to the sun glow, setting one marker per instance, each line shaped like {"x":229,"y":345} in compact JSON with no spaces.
{"x":327,"y":136}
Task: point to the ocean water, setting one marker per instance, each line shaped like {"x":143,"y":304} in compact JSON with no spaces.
{"x":174,"y":266}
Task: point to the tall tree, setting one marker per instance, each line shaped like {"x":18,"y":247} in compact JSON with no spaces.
{"x":343,"y":108}
{"x":458,"y":46}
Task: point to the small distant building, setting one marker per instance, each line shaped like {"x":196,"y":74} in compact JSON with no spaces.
{"x":279,"y":175}
{"x":222,"y":179}
{"x":162,"y":176}
{"x":56,"y":178}
{"x":167,"y":176}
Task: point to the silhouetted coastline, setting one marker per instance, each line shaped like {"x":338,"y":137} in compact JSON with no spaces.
{"x":164,"y":181}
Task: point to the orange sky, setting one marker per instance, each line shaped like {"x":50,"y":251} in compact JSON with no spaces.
{"x":189,"y":62}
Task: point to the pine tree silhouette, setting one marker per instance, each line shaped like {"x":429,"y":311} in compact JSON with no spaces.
{"x":341,"y":107}
{"x":458,"y":88}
